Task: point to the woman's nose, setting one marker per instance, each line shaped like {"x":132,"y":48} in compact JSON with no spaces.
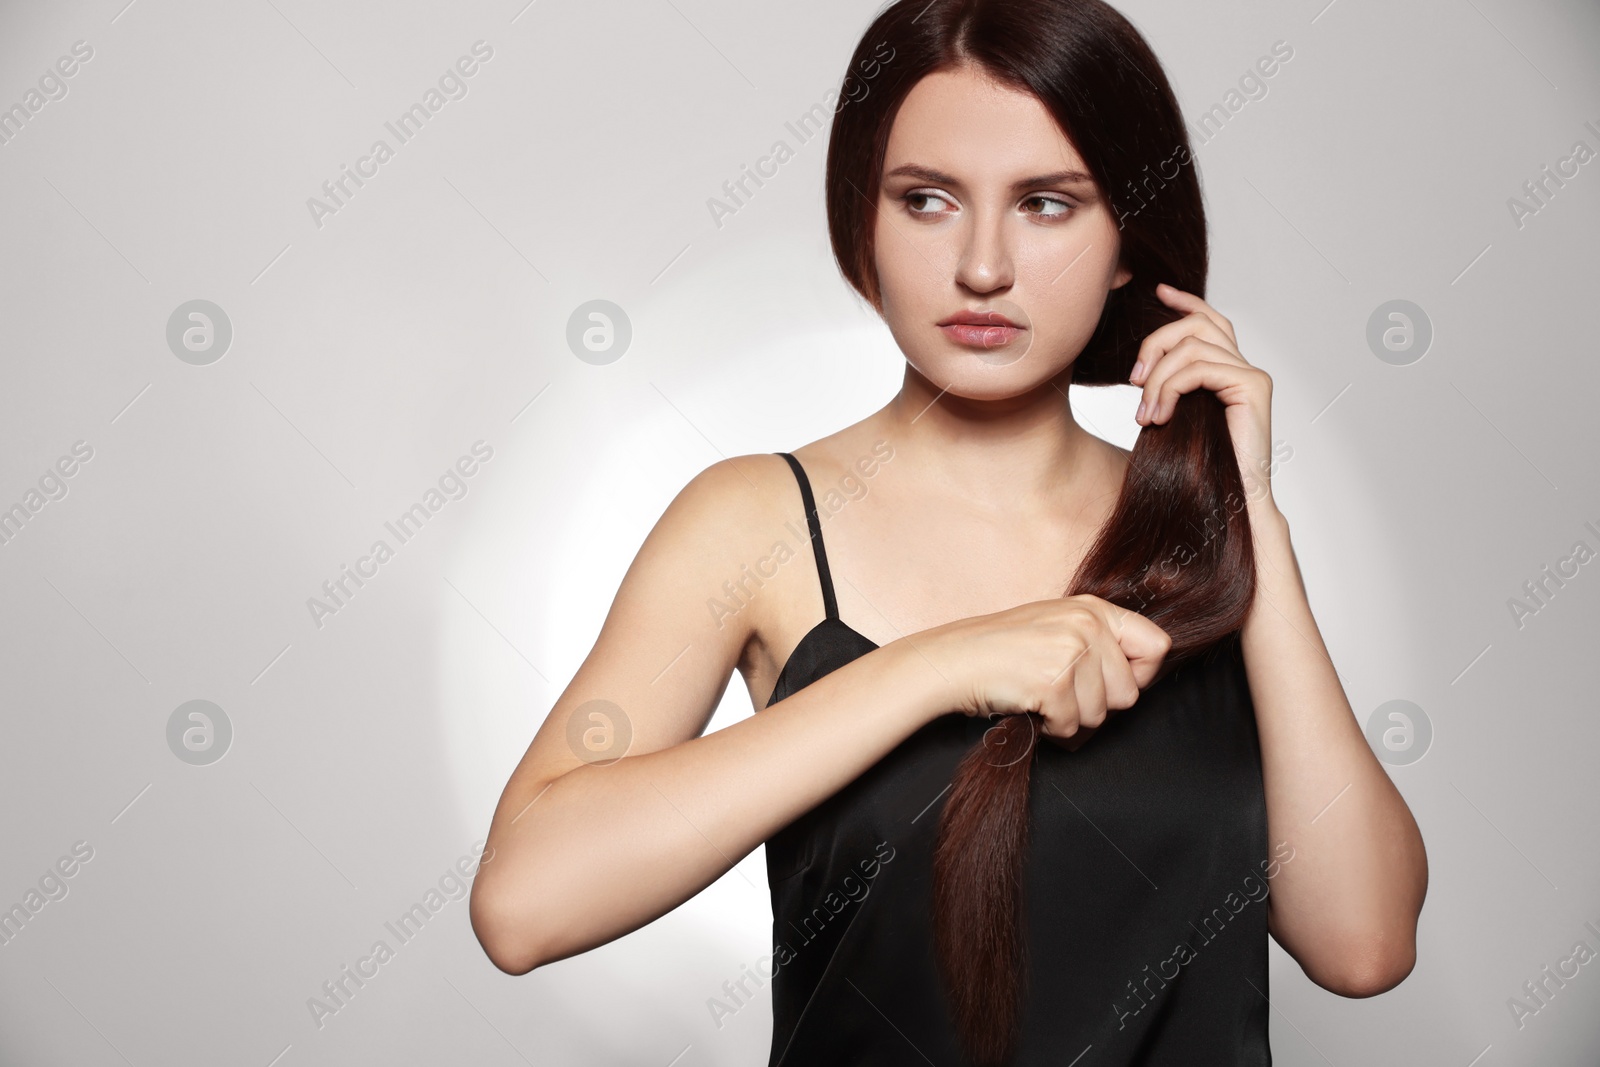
{"x":985,"y":262}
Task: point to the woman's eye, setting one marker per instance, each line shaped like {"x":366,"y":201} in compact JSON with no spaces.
{"x":1060,"y":207}
{"x":926,"y":205}
{"x":909,"y":197}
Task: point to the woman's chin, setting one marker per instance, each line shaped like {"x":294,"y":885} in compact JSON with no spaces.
{"x":987,"y":381}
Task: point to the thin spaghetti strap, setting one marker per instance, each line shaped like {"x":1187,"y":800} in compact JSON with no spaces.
{"x":829,"y":604}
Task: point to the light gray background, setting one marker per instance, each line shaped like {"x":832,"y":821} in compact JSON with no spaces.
{"x":431,"y":312}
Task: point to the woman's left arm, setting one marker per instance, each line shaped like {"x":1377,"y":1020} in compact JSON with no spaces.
{"x":1345,"y":905}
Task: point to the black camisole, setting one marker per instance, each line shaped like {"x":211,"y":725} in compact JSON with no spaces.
{"x":1145,"y":891}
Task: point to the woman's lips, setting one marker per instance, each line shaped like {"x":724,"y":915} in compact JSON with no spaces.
{"x":980,"y":335}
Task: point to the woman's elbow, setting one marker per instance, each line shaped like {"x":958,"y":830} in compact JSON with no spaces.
{"x":1371,"y":972}
{"x":503,"y":936}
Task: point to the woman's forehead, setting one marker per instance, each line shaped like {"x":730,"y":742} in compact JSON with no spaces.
{"x":964,"y":124}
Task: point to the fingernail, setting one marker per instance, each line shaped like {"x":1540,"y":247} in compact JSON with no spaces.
{"x":1138,"y":416}
{"x":1137,"y":367}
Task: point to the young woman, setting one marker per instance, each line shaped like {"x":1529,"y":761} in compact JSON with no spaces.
{"x":1048,"y":741}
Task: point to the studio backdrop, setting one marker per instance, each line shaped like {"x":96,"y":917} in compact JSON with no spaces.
{"x":350,"y":352}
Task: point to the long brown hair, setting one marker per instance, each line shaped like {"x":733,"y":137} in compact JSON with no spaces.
{"x":1177,"y":547}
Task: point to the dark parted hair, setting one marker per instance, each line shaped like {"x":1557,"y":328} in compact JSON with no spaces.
{"x":1177,"y":547}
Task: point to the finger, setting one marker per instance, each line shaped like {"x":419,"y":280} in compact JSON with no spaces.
{"x":1079,"y":739}
{"x":1061,"y":702}
{"x":1164,"y":339}
{"x":1143,"y":643}
{"x":1231,"y":383}
{"x":1090,"y":685}
{"x":1120,"y":687}
{"x":1158,"y":399}
{"x":1189,"y":302}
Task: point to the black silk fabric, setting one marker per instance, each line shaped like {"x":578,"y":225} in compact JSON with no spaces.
{"x":1145,"y":890}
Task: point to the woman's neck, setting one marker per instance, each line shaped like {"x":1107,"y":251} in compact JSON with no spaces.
{"x":1017,"y":451}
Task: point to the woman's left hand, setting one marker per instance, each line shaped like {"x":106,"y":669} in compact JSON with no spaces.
{"x":1200,"y":351}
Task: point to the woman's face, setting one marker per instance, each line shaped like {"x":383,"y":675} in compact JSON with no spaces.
{"x":979,"y":210}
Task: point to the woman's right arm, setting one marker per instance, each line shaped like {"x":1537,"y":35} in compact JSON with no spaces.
{"x":580,"y":852}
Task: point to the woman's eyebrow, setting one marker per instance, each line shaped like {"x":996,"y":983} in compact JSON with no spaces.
{"x":928,"y":174}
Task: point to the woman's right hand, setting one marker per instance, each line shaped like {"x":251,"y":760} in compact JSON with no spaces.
{"x":1071,"y":659}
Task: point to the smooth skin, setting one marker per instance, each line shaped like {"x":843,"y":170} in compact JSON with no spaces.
{"x":951,"y":555}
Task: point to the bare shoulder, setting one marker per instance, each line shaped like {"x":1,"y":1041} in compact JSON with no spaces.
{"x":677,"y":626}
{"x":719,"y":520}
{"x":702,"y":553}
{"x":733,"y":527}
{"x":732,"y":483}
{"x":727,"y":505}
